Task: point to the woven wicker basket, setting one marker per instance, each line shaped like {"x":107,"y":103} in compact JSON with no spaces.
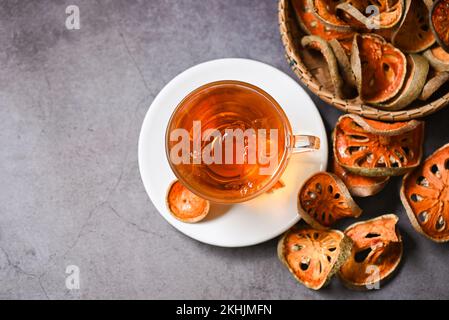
{"x":309,"y":70}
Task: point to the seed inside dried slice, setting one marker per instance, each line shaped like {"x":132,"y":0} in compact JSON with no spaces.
{"x":324,"y":199}
{"x":433,"y":84}
{"x":390,"y":12}
{"x":414,"y":34}
{"x":318,"y":44}
{"x":374,"y":148}
{"x":415,"y":79}
{"x":326,"y":12}
{"x":438,"y":58}
{"x":376,"y":253}
{"x":185,"y":205}
{"x":310,"y":24}
{"x":359,"y":186}
{"x":440,"y":22}
{"x":425,"y":196}
{"x":379,"y":68}
{"x":313,"y":256}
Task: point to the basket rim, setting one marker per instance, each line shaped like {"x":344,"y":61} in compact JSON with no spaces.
{"x":346,"y":105}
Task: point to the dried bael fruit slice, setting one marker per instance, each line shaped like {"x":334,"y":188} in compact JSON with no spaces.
{"x":326,"y":12}
{"x":425,"y":196}
{"x":438,"y":58}
{"x":414,"y":34}
{"x":376,"y":253}
{"x":317,"y":43}
{"x":360,"y":186}
{"x":185,"y":205}
{"x":343,"y":62}
{"x":278,"y":185}
{"x":390,"y":12}
{"x":378,"y":66}
{"x":415,"y":79}
{"x":313,"y":256}
{"x":433,"y":84}
{"x":324,"y":199}
{"x":310,"y":24}
{"x":377,"y":149}
{"x":440,"y":22}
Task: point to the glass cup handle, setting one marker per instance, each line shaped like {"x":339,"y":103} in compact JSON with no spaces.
{"x":304,"y":143}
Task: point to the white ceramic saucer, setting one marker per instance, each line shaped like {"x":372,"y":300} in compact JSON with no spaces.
{"x":254,"y":221}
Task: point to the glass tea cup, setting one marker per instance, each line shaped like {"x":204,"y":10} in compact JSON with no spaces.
{"x":230,"y":141}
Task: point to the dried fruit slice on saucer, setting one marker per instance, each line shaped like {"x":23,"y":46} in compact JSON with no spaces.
{"x":439,"y":15}
{"x":318,"y":44}
{"x":324,"y":199}
{"x":359,"y":186}
{"x":414,"y":34}
{"x":185,"y":205}
{"x":310,"y":24}
{"x":390,"y":13}
{"x":376,"y":252}
{"x":377,"y":149}
{"x":278,"y":185}
{"x":379,"y":68}
{"x":438,"y":58}
{"x":425,"y":196}
{"x":415,"y":79}
{"x":433,"y":84}
{"x":313,"y":256}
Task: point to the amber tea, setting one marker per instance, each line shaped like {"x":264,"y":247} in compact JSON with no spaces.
{"x":226,"y":140}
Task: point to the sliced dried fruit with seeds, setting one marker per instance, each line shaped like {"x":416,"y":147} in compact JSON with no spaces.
{"x":425,"y":196}
{"x":324,"y":199}
{"x":432,"y":85}
{"x":440,"y":23}
{"x":376,"y":253}
{"x":313,"y":256}
{"x":318,"y":44}
{"x":379,"y":68}
{"x":310,"y":24}
{"x":415,"y":79}
{"x":390,"y":13}
{"x":414,"y":34}
{"x":377,"y":149}
{"x":185,"y":205}
{"x":359,"y":186}
{"x":438,"y":58}
{"x":326,"y":12}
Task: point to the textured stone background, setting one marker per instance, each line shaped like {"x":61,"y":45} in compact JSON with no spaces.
{"x":71,"y":107}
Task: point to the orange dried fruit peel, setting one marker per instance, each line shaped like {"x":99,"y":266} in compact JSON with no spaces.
{"x":313,"y":256}
{"x":390,"y":13}
{"x":318,"y":44}
{"x":414,"y":34}
{"x":440,"y":23}
{"x":374,"y":148}
{"x":324,"y":199}
{"x":438,"y":58}
{"x":359,"y":186}
{"x":425,"y":196}
{"x":415,"y":79}
{"x":379,"y":68}
{"x":310,"y":24}
{"x":185,"y":205}
{"x":325,"y":10}
{"x":376,"y":252}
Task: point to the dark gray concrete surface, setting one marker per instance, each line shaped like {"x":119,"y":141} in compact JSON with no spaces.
{"x":71,"y":107}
